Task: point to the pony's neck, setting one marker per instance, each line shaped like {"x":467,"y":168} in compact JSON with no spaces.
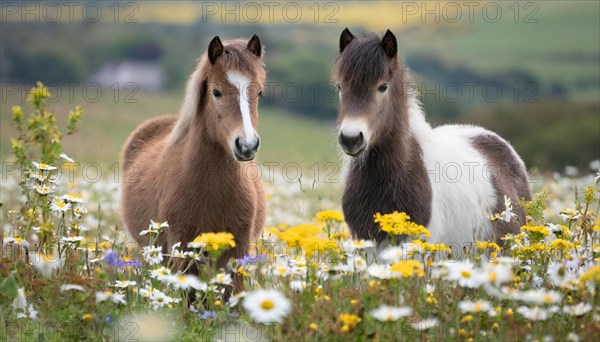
{"x":207,"y":159}
{"x":404,"y":141}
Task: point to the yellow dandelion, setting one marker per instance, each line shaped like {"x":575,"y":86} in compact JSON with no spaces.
{"x":399,"y":223}
{"x":330,"y":215}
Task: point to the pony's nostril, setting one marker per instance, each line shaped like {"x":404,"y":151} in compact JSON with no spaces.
{"x":238,"y":145}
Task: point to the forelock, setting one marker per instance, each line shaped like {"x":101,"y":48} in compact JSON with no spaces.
{"x":362,"y":62}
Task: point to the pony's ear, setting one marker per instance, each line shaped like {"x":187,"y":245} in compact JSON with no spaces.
{"x":345,"y":39}
{"x":215,"y":49}
{"x":254,"y":46}
{"x":389,"y":44}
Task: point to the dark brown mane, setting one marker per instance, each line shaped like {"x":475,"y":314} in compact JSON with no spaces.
{"x":362,"y":62}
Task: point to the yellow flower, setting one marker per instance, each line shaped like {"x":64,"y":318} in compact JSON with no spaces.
{"x":313,"y":244}
{"x":349,"y":320}
{"x":509,"y":312}
{"x":536,"y":231}
{"x":305,"y":236}
{"x":213,"y":241}
{"x":353,"y":302}
{"x":466,"y":319}
{"x":596,"y":227}
{"x":330,"y":215}
{"x":408,"y":268}
{"x":294,"y":235}
{"x":562,"y":244}
{"x":399,"y":223}
{"x":38,"y":94}
{"x":87,"y":317}
{"x":431,"y":247}
{"x":313,"y":326}
{"x":487,"y":245}
{"x":593,"y":275}
{"x":343,"y":235}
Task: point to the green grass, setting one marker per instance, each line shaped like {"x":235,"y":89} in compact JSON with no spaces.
{"x":548,"y":48}
{"x":106,"y":125}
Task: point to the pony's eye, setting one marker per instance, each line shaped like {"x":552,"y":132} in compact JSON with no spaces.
{"x":216,"y":93}
{"x":338,"y":86}
{"x":260,"y":94}
{"x":382,"y":88}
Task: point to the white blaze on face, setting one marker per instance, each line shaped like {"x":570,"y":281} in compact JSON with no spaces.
{"x":242,"y":83}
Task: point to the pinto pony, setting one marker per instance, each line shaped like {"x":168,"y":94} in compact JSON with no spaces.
{"x":187,"y":169}
{"x":449,"y":179}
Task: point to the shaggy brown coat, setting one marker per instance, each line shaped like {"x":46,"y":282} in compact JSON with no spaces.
{"x":181,"y":169}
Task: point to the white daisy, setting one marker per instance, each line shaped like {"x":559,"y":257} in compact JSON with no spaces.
{"x":463,"y":272}
{"x":425,"y":324}
{"x":380,"y":271}
{"x":222,"y":279}
{"x":147,"y":291}
{"x":298,"y":285}
{"x":475,"y":307}
{"x":267,"y":306}
{"x":386,"y":313}
{"x":42,"y":166}
{"x":495,"y":274}
{"x":46,"y":264}
{"x":69,"y":287}
{"x":125,"y":283}
{"x":352,"y":245}
{"x":72,"y":241}
{"x":15,"y":240}
{"x":159,"y":300}
{"x":560,"y":275}
{"x":117,"y":298}
{"x":155,"y":228}
{"x":153,"y":255}
{"x":507,"y":215}
{"x":60,"y":205}
{"x":539,"y":296}
{"x":44,"y":189}
{"x":185,"y":282}
{"x":79,"y":210}
{"x":160,"y":273}
{"x":393,"y":254}
{"x":577,"y":310}
{"x":72,"y":198}
{"x":535,"y":313}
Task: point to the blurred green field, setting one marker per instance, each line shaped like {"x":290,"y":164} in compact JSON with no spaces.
{"x":106,"y":125}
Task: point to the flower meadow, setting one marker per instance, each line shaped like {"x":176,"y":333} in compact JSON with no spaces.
{"x":69,"y":270}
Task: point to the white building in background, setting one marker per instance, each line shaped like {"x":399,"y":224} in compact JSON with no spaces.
{"x":147,"y":76}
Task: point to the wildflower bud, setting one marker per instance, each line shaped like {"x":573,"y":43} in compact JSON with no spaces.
{"x":466,"y":319}
{"x":313,"y":326}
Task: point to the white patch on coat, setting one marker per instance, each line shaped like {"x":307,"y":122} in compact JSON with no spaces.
{"x":242,"y":83}
{"x":463,"y":196}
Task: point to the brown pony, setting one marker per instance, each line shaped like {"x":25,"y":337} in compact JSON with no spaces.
{"x":449,"y":179}
{"x":187,"y":169}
